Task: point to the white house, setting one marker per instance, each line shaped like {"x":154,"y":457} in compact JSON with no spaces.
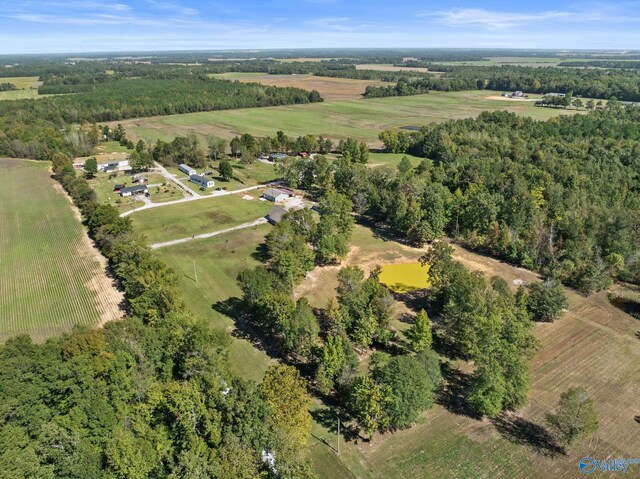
{"x":120,"y":165}
{"x":202,"y":181}
{"x":134,"y":190}
{"x":187,"y":170}
{"x":274,"y":195}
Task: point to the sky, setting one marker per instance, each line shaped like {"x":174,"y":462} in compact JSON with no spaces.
{"x":65,"y":26}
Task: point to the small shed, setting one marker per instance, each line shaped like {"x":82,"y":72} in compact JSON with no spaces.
{"x":187,"y":170}
{"x":288,"y":191}
{"x":275,"y":214}
{"x":274,"y":195}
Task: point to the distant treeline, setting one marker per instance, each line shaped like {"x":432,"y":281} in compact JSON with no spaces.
{"x":590,"y":83}
{"x":38,"y":128}
{"x":561,"y":196}
{"x":632,"y":65}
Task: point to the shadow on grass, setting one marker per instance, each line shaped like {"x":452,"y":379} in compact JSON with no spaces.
{"x":260,"y":254}
{"x":328,"y":418}
{"x":414,"y":300}
{"x":522,"y":431}
{"x":455,"y":391}
{"x":234,"y":309}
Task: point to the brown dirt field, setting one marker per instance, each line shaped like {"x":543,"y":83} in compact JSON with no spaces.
{"x":391,"y":68}
{"x":593,"y":345}
{"x":329,"y":88}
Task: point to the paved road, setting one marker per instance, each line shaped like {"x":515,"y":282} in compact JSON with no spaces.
{"x":257,"y":222}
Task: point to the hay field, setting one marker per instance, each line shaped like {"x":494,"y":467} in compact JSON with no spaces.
{"x":361,"y":119}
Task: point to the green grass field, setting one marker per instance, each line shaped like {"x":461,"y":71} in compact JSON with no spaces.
{"x":50,"y":275}
{"x":112,"y":147}
{"x":391,"y":159}
{"x":22,"y":83}
{"x":218,"y":261}
{"x":244,"y":175}
{"x":19,"y":95}
{"x":197,"y":217}
{"x":361,"y":119}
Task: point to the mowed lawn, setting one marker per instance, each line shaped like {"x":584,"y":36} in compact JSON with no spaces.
{"x":361,"y":119}
{"x":51,"y":277}
{"x":197,"y":217}
{"x":207,"y":271}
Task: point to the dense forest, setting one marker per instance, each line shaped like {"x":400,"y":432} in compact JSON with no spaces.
{"x":39,"y":128}
{"x":561,"y":196}
{"x":632,"y":65}
{"x":590,"y":83}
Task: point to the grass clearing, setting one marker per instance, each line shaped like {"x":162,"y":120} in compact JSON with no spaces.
{"x":197,"y":217}
{"x":405,"y":277}
{"x":592,"y":345}
{"x":106,"y":147}
{"x":329,"y":88}
{"x":389,"y":67}
{"x":22,"y":83}
{"x":19,"y":95}
{"x":51,"y":275}
{"x":360,"y":119}
{"x":218,"y":261}
{"x":391,"y":159}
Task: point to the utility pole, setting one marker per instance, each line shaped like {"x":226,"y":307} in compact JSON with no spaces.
{"x":338,"y":435}
{"x":195,"y":271}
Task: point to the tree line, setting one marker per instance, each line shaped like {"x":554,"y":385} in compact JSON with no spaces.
{"x":587,"y":82}
{"x":560,"y":196}
{"x":39,"y":128}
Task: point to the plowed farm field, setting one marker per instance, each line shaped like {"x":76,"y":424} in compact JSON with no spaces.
{"x":51,"y":275}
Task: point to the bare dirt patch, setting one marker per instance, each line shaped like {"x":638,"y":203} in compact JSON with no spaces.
{"x":329,"y":88}
{"x":391,"y":68}
{"x":110,"y":299}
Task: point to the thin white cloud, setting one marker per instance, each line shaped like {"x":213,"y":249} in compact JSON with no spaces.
{"x":494,"y":19}
{"x":172,"y":7}
{"x":331,"y":23}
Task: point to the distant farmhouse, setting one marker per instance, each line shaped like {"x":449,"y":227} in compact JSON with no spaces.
{"x":134,"y":190}
{"x":187,"y":170}
{"x":122,"y":165}
{"x":275,"y":195}
{"x":202,"y":181}
{"x":275,"y":214}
